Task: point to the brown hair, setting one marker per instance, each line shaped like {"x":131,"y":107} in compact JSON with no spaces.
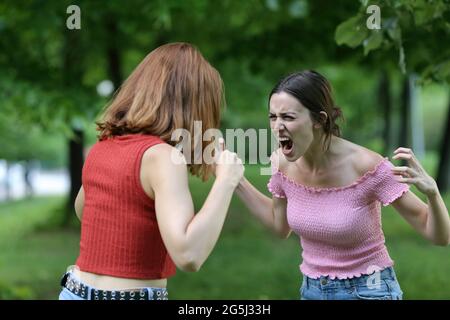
{"x":170,"y":89}
{"x":315,"y":93}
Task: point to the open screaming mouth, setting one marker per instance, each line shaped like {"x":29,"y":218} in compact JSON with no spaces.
{"x":286,"y":144}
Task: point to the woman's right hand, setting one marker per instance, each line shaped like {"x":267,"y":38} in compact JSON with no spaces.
{"x":229,"y":166}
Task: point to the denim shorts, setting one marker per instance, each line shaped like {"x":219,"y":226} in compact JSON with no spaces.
{"x":74,"y":289}
{"x":381,"y":285}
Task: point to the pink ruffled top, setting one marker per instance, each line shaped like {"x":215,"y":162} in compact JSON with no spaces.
{"x":340,"y":228}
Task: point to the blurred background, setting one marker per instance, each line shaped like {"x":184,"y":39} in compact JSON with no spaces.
{"x":57,"y":73}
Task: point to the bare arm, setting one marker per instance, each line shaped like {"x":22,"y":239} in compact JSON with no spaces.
{"x":272,"y":212}
{"x":79,"y":203}
{"x":430,"y":219}
{"x":189,"y":237}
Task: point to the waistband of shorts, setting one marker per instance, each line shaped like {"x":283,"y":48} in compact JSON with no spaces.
{"x":84,"y":291}
{"x":326,"y":281}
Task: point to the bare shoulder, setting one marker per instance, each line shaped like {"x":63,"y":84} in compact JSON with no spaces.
{"x":164,"y":157}
{"x":164,"y":153}
{"x":364,"y":159}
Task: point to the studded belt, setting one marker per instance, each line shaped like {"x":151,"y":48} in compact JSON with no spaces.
{"x":85,"y":292}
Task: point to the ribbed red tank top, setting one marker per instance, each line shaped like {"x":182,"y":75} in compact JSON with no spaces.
{"x":119,"y":232}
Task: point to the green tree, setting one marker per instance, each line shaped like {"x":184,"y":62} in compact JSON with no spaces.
{"x":413,"y":30}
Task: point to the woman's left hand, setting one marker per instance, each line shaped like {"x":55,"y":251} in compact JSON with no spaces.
{"x":414,"y":173}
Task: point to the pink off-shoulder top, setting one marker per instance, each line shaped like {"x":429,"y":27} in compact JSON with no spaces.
{"x":340,"y":228}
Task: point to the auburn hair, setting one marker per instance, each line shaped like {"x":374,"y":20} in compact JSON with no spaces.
{"x":170,"y":89}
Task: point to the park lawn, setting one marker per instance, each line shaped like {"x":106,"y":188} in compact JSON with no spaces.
{"x":247,"y":263}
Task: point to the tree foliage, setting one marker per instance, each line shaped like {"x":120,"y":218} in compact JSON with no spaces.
{"x":416,"y":31}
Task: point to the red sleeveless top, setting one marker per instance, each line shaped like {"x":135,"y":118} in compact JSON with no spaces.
{"x":119,"y":232}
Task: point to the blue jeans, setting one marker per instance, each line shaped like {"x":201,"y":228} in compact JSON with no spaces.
{"x":67,"y":295}
{"x":382,"y":285}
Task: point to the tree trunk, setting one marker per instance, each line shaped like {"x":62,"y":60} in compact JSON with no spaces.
{"x":75,"y":168}
{"x":72,"y":76}
{"x":384,"y":99}
{"x":26,"y":178}
{"x":405,"y":116}
{"x":7,"y":182}
{"x":112,"y":51}
{"x":416,"y":121}
{"x":443,"y":175}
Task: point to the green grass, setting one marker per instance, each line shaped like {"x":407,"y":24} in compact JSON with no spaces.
{"x":32,"y":255}
{"x":422,"y":268}
{"x":247,"y":263}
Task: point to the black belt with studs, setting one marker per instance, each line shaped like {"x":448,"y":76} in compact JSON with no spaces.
{"x":85,"y":292}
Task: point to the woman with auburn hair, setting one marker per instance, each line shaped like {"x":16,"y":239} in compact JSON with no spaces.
{"x":136,"y":211}
{"x":329,"y":191}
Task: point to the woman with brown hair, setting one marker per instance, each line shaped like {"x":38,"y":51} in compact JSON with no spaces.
{"x":136,"y":211}
{"x":329,"y":191}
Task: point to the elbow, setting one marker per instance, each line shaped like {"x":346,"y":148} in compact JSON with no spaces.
{"x":283,"y":234}
{"x":78,"y":213}
{"x":189,"y":266}
{"x":442,"y":242}
{"x":188,"y":263}
{"x":78,"y":209}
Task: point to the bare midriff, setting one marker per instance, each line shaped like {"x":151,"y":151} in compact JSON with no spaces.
{"x":104,"y":282}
